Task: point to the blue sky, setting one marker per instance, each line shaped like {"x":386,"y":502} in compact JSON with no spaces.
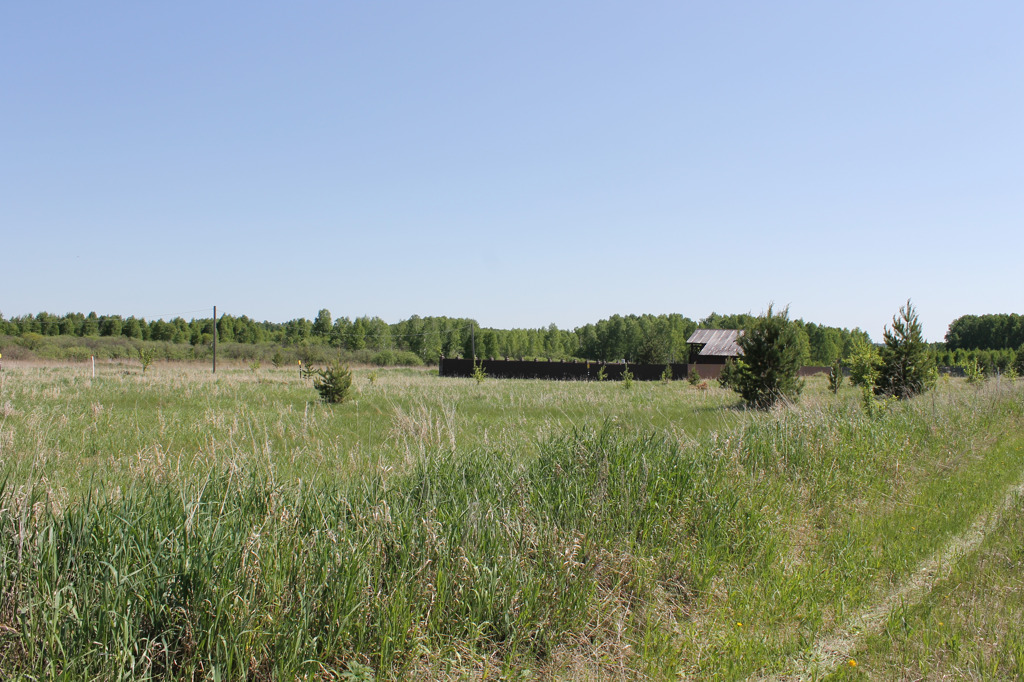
{"x":518,"y":163}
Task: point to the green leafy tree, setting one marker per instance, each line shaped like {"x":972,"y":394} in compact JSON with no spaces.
{"x":771,"y":349}
{"x":145,"y":358}
{"x":907,"y":367}
{"x":863,"y":362}
{"x":323,"y":324}
{"x":91,"y":327}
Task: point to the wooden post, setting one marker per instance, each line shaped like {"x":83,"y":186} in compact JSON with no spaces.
{"x":214,"y":339}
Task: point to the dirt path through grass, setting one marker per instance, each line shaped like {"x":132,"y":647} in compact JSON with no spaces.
{"x":838,"y":648}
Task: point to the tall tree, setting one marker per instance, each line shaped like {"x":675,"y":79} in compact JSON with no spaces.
{"x":322,"y":325}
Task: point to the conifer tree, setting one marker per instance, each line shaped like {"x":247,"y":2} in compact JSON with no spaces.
{"x":770,"y":364}
{"x":907,"y":367}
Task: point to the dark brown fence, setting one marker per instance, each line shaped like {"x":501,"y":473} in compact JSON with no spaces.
{"x":581,"y":370}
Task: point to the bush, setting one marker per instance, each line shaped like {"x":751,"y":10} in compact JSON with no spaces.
{"x":973,"y":372}
{"x":771,"y":361}
{"x":396,"y":358}
{"x":906,"y":367}
{"x":311,"y":354}
{"x":863,"y":362}
{"x":478,"y":372}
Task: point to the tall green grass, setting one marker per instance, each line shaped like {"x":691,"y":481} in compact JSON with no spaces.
{"x":436,"y":528}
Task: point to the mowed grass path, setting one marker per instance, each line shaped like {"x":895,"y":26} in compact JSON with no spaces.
{"x":181,"y":526}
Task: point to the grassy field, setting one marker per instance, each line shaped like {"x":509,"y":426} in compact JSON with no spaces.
{"x":181,"y":525}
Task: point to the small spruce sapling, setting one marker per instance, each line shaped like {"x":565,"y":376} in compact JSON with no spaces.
{"x":666,"y":375}
{"x":731,"y":370}
{"x":627,"y":378}
{"x":332,"y":383}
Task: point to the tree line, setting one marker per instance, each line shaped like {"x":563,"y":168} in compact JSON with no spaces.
{"x":994,"y":342}
{"x":635,"y":338}
{"x":986,"y":332}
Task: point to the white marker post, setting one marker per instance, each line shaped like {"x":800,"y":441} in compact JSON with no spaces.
{"x":93,"y":366}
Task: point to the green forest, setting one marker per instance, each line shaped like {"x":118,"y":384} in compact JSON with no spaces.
{"x":994,"y":342}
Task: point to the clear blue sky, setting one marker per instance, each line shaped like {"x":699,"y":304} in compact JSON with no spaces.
{"x":519,"y":163}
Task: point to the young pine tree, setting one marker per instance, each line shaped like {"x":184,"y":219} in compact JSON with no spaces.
{"x":906,"y":367}
{"x":771,"y":361}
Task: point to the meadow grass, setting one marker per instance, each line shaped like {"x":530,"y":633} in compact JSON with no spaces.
{"x":179,"y":525}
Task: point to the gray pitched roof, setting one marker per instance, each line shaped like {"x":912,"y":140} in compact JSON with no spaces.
{"x":717,"y":341}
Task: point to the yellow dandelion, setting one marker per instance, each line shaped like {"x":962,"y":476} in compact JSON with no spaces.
{"x":853,"y":663}
{"x":739,"y":625}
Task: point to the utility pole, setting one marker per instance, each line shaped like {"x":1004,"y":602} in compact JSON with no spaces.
{"x":214,"y":339}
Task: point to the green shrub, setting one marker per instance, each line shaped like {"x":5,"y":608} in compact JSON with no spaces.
{"x":396,"y":358}
{"x":972,"y":370}
{"x":145,"y":358}
{"x":835,"y":377}
{"x":693,"y":376}
{"x":627,"y":378}
{"x":478,"y":372}
{"x":863,"y":362}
